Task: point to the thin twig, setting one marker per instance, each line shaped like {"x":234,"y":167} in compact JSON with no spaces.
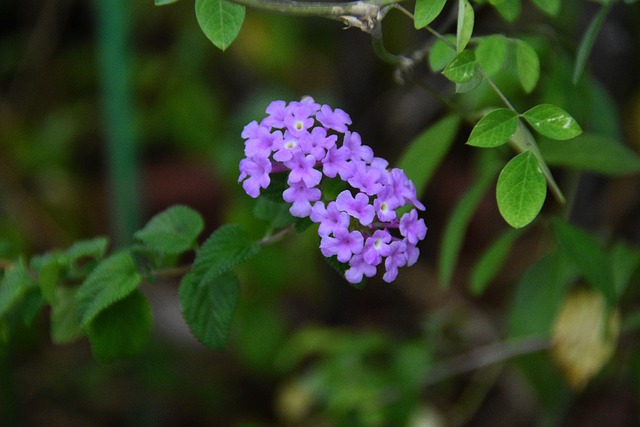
{"x":483,"y":357}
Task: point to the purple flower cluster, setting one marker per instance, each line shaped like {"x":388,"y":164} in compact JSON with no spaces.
{"x":361,"y":226}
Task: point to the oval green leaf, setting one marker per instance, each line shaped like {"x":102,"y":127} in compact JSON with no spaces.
{"x":220,"y":20}
{"x":528,"y":65}
{"x":494,"y":129}
{"x":466,"y":19}
{"x":442,"y":53}
{"x":521,"y":190}
{"x":552,"y":121}
{"x":462,"y":68}
{"x":549,"y":6}
{"x":426,"y":11}
{"x":491,"y":53}
{"x":508,"y":9}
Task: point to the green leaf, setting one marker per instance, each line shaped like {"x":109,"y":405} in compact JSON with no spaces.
{"x":93,"y":248}
{"x":494,"y":129}
{"x":462,"y":68}
{"x":588,"y":256}
{"x":528,"y":65}
{"x":426,"y":11}
{"x":552,"y":122}
{"x":470,"y":85}
{"x":276,"y":213}
{"x":112,"y":280}
{"x":456,"y":227}
{"x":465,"y":25}
{"x":625,"y":260}
{"x":538,"y":297}
{"x":442,"y":53}
{"x":425,"y":153}
{"x":491,"y":261}
{"x":65,"y":324}
{"x":508,"y":9}
{"x":549,"y":6}
{"x":208,"y":305}
{"x":593,"y":153}
{"x":15,"y":283}
{"x":122,"y":330}
{"x":220,"y":20}
{"x":227,"y":247}
{"x":521,"y":190}
{"x":173,"y":231}
{"x":163,"y":2}
{"x":491,"y":53}
{"x":588,"y":38}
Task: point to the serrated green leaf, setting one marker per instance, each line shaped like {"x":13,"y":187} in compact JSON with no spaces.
{"x":425,"y":153}
{"x":462,"y":68}
{"x":549,"y":6}
{"x":172,"y":231}
{"x":122,"y":330}
{"x":494,"y":129}
{"x":426,"y":11}
{"x":552,"y":122}
{"x":112,"y":280}
{"x":14,"y":285}
{"x":528,"y":65}
{"x":220,"y":20}
{"x":521,"y":190}
{"x":466,"y":19}
{"x":588,"y":256}
{"x":491,"y":53}
{"x":65,"y":324}
{"x":442,"y":53}
{"x":93,"y":248}
{"x":508,"y":9}
{"x":208,"y":305}
{"x":456,"y":227}
{"x":227,"y":247}
{"x":593,"y":153}
{"x":491,"y":261}
{"x":588,"y":38}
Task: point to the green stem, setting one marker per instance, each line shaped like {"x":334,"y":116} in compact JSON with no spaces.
{"x":117,"y":106}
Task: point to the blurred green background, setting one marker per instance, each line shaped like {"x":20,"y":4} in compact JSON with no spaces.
{"x":80,"y":159}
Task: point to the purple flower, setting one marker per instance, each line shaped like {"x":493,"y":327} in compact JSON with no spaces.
{"x":359,"y":268}
{"x":302,"y":169}
{"x":337,"y":162}
{"x":376,"y":246}
{"x":385,"y":209}
{"x":261,"y":145}
{"x":412,"y":255}
{"x":298,"y":122}
{"x":358,"y":207}
{"x":301,"y":197}
{"x":330,"y":218}
{"x":276,"y":111}
{"x":366,"y":179}
{"x":412,"y":228}
{"x":333,"y":119}
{"x":358,"y":151}
{"x":344,"y":244}
{"x":256,"y":170}
{"x":403,"y":188}
{"x":285,"y":147}
{"x":395,"y":258}
{"x":317,"y":143}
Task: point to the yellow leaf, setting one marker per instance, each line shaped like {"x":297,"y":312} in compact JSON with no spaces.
{"x":584,"y":336}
